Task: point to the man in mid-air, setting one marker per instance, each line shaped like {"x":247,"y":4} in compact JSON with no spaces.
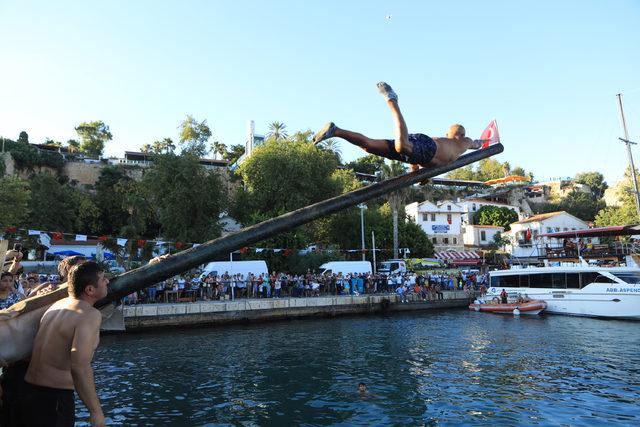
{"x":416,"y":149}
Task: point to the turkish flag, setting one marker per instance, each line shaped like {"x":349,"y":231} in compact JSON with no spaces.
{"x":490,"y":133}
{"x":528,"y":235}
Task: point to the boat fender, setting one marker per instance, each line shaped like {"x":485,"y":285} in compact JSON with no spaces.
{"x":516,"y":312}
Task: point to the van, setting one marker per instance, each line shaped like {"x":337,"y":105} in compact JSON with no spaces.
{"x":392,"y":266}
{"x":257,"y":267}
{"x":346,"y":267}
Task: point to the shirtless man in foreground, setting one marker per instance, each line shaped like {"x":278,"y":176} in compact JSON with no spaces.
{"x":62,"y":354}
{"x":414,"y":148}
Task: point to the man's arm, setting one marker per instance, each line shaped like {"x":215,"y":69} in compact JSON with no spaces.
{"x":475,"y":144}
{"x":85,"y":341}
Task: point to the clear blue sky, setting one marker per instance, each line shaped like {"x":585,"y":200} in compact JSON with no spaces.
{"x":547,"y":70}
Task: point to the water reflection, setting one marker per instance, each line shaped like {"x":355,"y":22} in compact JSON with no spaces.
{"x":444,"y":368}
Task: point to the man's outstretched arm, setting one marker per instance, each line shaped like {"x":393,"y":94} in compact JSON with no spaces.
{"x":85,"y":341}
{"x":475,"y":144}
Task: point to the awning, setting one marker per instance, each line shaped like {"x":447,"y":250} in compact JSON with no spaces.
{"x":460,"y":257}
{"x":617,"y":230}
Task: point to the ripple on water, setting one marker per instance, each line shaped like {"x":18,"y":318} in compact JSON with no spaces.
{"x":444,"y":368}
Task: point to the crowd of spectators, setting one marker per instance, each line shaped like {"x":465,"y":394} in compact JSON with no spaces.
{"x":192,"y":287}
{"x":15,"y":286}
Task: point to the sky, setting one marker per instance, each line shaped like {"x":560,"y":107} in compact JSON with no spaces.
{"x":548,"y":71}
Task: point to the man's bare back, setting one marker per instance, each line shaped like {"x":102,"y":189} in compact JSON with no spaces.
{"x":449,"y":149}
{"x":52,"y":352}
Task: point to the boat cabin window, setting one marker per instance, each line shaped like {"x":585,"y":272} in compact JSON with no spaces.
{"x":587,"y":278}
{"x":603,"y":279}
{"x":573,"y":281}
{"x":558,"y":281}
{"x":540,"y":280}
{"x":630,"y":278}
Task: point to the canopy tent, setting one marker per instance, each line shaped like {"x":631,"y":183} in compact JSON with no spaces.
{"x":68,"y":253}
{"x":617,"y":230}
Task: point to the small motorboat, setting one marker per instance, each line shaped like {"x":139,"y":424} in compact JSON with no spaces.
{"x":530,"y":307}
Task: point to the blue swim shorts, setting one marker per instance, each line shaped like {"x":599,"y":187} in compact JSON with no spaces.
{"x":423,"y":150}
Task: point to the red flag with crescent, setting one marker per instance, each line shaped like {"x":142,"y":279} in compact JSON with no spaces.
{"x":490,"y":134}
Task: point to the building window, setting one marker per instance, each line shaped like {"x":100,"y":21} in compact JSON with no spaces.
{"x":433,"y":217}
{"x":434,"y":240}
{"x":448,"y":207}
{"x":445,"y":240}
{"x":425,"y":217}
{"x":449,"y":218}
{"x":549,"y":230}
{"x":557,"y":229}
{"x":483,"y":236}
{"x":455,"y":240}
{"x":565,"y":229}
{"x":474,"y":207}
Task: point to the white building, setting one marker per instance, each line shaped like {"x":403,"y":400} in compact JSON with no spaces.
{"x":442,"y":221}
{"x":480,"y":236}
{"x":524,"y":233}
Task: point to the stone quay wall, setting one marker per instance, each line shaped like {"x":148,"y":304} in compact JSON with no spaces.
{"x":147,"y":316}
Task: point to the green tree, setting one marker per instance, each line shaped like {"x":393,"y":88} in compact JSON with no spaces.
{"x":519,"y":171}
{"x":186,"y":198}
{"x":466,"y":173}
{"x":73,"y":146}
{"x":595,"y":181}
{"x":283,"y":176}
{"x":14,"y":201}
{"x":233,"y":153}
{"x":146,"y":149}
{"x":23,"y":137}
{"x":331,"y":145}
{"x":370,"y":164}
{"x":495,"y":215}
{"x":277,"y":131}
{"x":93,"y":136}
{"x":626,"y":213}
{"x":582,"y":205}
{"x":110,"y":201}
{"x":218,"y":147}
{"x":88,"y":216}
{"x":194,"y":136}
{"x":49,"y":195}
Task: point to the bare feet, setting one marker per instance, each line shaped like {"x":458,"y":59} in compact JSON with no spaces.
{"x":326,"y":132}
{"x":386,"y":91}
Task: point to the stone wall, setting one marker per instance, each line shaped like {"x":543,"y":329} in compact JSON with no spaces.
{"x":246,"y":310}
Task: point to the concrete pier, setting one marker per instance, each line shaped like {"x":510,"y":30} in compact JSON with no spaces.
{"x":144,"y":316}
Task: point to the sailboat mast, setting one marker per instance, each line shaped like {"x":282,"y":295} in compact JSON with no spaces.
{"x":628,"y":143}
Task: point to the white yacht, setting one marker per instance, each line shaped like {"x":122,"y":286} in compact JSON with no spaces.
{"x":579,"y":291}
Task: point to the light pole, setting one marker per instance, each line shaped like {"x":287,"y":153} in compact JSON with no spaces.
{"x":362,"y":207}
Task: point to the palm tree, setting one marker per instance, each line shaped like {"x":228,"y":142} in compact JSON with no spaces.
{"x":277,"y":131}
{"x":507,"y":169}
{"x":332,"y":146}
{"x":396,"y":198}
{"x":146,"y":148}
{"x":168,"y":145}
{"x":157,"y":147}
{"x":218,"y":148}
{"x":73,"y":146}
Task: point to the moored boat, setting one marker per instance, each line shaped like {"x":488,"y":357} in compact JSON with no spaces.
{"x":532,"y":307}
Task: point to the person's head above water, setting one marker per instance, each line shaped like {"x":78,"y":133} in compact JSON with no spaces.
{"x":362,"y":388}
{"x":456,"y":132}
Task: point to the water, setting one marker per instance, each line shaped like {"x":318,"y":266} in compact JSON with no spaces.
{"x":439,"y":368}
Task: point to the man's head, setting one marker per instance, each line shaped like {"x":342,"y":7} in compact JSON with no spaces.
{"x":362,"y":388}
{"x":86,"y":280}
{"x":65,"y":265}
{"x":456,"y":132}
{"x":6,"y":281}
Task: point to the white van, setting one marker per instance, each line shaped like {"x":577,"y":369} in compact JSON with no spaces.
{"x":235,"y":267}
{"x":345,"y":267}
{"x":392,"y":266}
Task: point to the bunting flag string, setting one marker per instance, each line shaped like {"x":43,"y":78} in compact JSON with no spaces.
{"x":57,"y":237}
